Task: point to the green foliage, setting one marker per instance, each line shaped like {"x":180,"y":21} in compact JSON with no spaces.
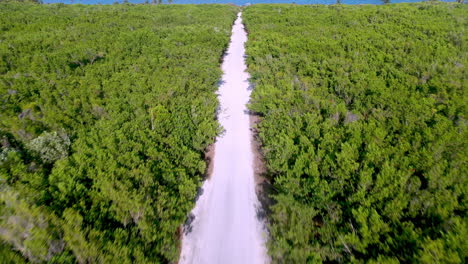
{"x":363,"y":128}
{"x":50,"y":146}
{"x":28,"y":229}
{"x":106,"y":112}
{"x":9,"y":256}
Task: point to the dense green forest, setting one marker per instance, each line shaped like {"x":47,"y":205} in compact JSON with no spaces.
{"x":105,"y":115}
{"x":363,"y":127}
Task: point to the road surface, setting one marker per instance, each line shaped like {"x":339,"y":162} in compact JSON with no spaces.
{"x":226,"y":228}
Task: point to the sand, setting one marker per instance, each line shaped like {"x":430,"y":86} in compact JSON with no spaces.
{"x":225,"y":226}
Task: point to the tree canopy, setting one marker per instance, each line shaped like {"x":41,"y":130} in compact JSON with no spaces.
{"x":104,"y":118}
{"x":363,"y":127}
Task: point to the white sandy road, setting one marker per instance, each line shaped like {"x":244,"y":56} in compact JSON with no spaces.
{"x":226,"y":228}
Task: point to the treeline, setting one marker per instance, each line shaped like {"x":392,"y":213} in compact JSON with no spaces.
{"x":363,"y":127}
{"x":104,"y":118}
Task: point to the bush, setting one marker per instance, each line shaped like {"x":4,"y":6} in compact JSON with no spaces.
{"x":51,"y":146}
{"x":363,"y":129}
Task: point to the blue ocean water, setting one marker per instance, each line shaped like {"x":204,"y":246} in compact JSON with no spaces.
{"x":240,"y":2}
